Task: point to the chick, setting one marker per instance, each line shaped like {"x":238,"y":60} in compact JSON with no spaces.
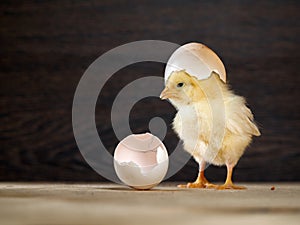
{"x":215,"y":125}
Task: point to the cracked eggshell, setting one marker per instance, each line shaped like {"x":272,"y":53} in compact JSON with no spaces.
{"x":141,"y":161}
{"x":134,"y":176}
{"x":197,"y":60}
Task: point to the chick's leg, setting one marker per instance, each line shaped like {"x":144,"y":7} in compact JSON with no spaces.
{"x":201,"y":181}
{"x":228,"y":183}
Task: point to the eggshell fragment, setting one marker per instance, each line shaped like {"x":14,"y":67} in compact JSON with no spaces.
{"x":197,"y":60}
{"x":141,"y":161}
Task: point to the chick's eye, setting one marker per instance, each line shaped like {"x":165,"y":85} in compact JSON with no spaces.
{"x":179,"y":84}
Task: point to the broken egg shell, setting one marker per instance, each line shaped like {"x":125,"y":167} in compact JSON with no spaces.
{"x":197,"y":60}
{"x":141,"y":161}
{"x":141,"y":178}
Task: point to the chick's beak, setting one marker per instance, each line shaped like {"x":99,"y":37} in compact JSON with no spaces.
{"x":166,"y":93}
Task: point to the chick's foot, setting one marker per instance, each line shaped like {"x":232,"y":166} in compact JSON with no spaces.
{"x":230,"y":186}
{"x":228,"y":183}
{"x":201,"y":181}
{"x":198,"y":185}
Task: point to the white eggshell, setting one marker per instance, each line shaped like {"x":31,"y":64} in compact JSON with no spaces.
{"x":197,"y":60}
{"x":141,"y":161}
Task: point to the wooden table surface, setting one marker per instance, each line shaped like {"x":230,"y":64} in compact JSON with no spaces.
{"x":105,"y":203}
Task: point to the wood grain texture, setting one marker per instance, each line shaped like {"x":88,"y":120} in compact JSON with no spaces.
{"x":47,"y":45}
{"x":56,"y":203}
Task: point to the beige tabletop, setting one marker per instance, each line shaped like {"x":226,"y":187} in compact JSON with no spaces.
{"x":106,"y":203}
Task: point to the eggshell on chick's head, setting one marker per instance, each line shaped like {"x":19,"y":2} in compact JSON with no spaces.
{"x":197,"y":60}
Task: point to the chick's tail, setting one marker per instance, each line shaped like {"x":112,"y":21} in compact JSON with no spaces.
{"x":253,"y":128}
{"x":243,"y":122}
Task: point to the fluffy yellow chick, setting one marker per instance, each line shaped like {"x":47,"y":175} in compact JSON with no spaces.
{"x":215,"y":124}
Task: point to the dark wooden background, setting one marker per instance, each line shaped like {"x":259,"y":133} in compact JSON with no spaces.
{"x":47,"y":45}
